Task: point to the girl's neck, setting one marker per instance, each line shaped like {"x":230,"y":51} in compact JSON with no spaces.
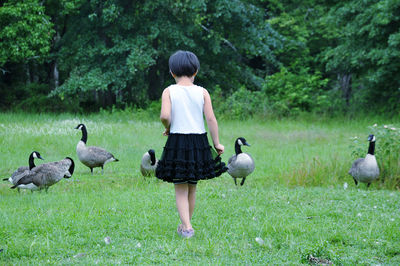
{"x":184,"y":81}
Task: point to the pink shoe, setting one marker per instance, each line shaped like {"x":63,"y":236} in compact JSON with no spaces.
{"x":179,"y":229}
{"x":187,"y":233}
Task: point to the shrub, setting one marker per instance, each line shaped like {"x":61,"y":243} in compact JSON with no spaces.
{"x":241,"y":104}
{"x":293,"y":93}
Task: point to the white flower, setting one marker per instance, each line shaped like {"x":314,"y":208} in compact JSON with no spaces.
{"x":345,"y":185}
{"x":107,"y":240}
{"x":393,"y":128}
{"x":375,"y":207}
{"x":375,"y":125}
{"x":392,"y":219}
{"x":259,"y":241}
{"x":385,"y":126}
{"x":359,"y":214}
{"x":138,"y":245}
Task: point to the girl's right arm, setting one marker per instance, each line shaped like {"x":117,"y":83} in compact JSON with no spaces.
{"x":165,"y":115}
{"x":212,"y":122}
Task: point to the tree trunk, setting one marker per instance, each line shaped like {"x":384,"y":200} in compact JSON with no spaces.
{"x":56,"y":76}
{"x":156,"y":80}
{"x":28,"y":74}
{"x":345,"y":86}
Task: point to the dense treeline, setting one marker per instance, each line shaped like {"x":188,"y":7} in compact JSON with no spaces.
{"x":257,"y":57}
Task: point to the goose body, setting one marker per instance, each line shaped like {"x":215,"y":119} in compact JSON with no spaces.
{"x":241,"y":164}
{"x":24,"y":170}
{"x":92,"y":156}
{"x":149,"y":163}
{"x":46,"y":175}
{"x":366,"y":169}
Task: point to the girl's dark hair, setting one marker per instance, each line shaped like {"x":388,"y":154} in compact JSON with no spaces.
{"x":183,"y":63}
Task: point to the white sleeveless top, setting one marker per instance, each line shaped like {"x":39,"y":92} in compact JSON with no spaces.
{"x":187,"y":105}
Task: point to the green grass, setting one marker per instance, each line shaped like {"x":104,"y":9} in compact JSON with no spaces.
{"x":294,"y":201}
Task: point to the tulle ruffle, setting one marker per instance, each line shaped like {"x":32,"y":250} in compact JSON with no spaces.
{"x":187,"y":158}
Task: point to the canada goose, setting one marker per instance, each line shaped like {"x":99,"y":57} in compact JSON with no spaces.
{"x":24,"y":170}
{"x":366,"y":169}
{"x":46,"y":175}
{"x":241,"y":164}
{"x":149,"y":163}
{"x":92,"y":156}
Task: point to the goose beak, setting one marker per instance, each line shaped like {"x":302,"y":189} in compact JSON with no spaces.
{"x":247,"y":144}
{"x":40,"y":157}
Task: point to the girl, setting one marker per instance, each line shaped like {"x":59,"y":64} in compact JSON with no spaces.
{"x":187,"y":154}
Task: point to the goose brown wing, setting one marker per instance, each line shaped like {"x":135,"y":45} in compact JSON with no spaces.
{"x":355,"y":166}
{"x":99,"y":154}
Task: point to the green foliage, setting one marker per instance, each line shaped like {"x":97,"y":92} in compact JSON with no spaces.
{"x":368,"y":46}
{"x":240,"y":104}
{"x":319,"y":56}
{"x":387,"y":153}
{"x":25,"y":31}
{"x":34,"y":98}
{"x":292,"y":93}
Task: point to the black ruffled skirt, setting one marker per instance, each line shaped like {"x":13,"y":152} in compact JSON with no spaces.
{"x":187,"y":158}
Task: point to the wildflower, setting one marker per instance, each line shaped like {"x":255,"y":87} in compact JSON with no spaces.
{"x":359,"y":214}
{"x":385,"y":126}
{"x":107,"y":240}
{"x":393,"y":128}
{"x":345,"y":185}
{"x":259,"y":241}
{"x":375,"y":125}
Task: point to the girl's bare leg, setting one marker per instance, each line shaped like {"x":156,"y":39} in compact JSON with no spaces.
{"x":192,"y":199}
{"x":182,"y":204}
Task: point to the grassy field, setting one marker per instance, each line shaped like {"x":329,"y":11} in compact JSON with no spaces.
{"x":294,"y":204}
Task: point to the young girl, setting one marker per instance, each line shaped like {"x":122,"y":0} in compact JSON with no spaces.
{"x":187,"y":154}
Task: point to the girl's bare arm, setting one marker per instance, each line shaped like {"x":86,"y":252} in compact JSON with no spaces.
{"x":165,"y":115}
{"x":212,"y":122}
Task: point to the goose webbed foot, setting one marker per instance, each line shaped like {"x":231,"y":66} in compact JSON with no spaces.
{"x":241,"y":183}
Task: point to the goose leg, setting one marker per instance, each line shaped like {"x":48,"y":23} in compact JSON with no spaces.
{"x":368,"y":184}
{"x":235,"y":180}
{"x":243,"y":179}
{"x":102,"y":170}
{"x":91,"y":170}
{"x":355,"y":181}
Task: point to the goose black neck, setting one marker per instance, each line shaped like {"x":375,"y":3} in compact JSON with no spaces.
{"x":84,"y":134}
{"x":238,"y":149}
{"x":371,"y":148}
{"x":72,"y":167}
{"x":152,"y":158}
{"x":31,"y":161}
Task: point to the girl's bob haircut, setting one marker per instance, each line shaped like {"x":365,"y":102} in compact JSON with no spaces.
{"x":183,"y":63}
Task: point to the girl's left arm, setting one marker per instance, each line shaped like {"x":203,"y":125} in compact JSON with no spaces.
{"x":165,"y":115}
